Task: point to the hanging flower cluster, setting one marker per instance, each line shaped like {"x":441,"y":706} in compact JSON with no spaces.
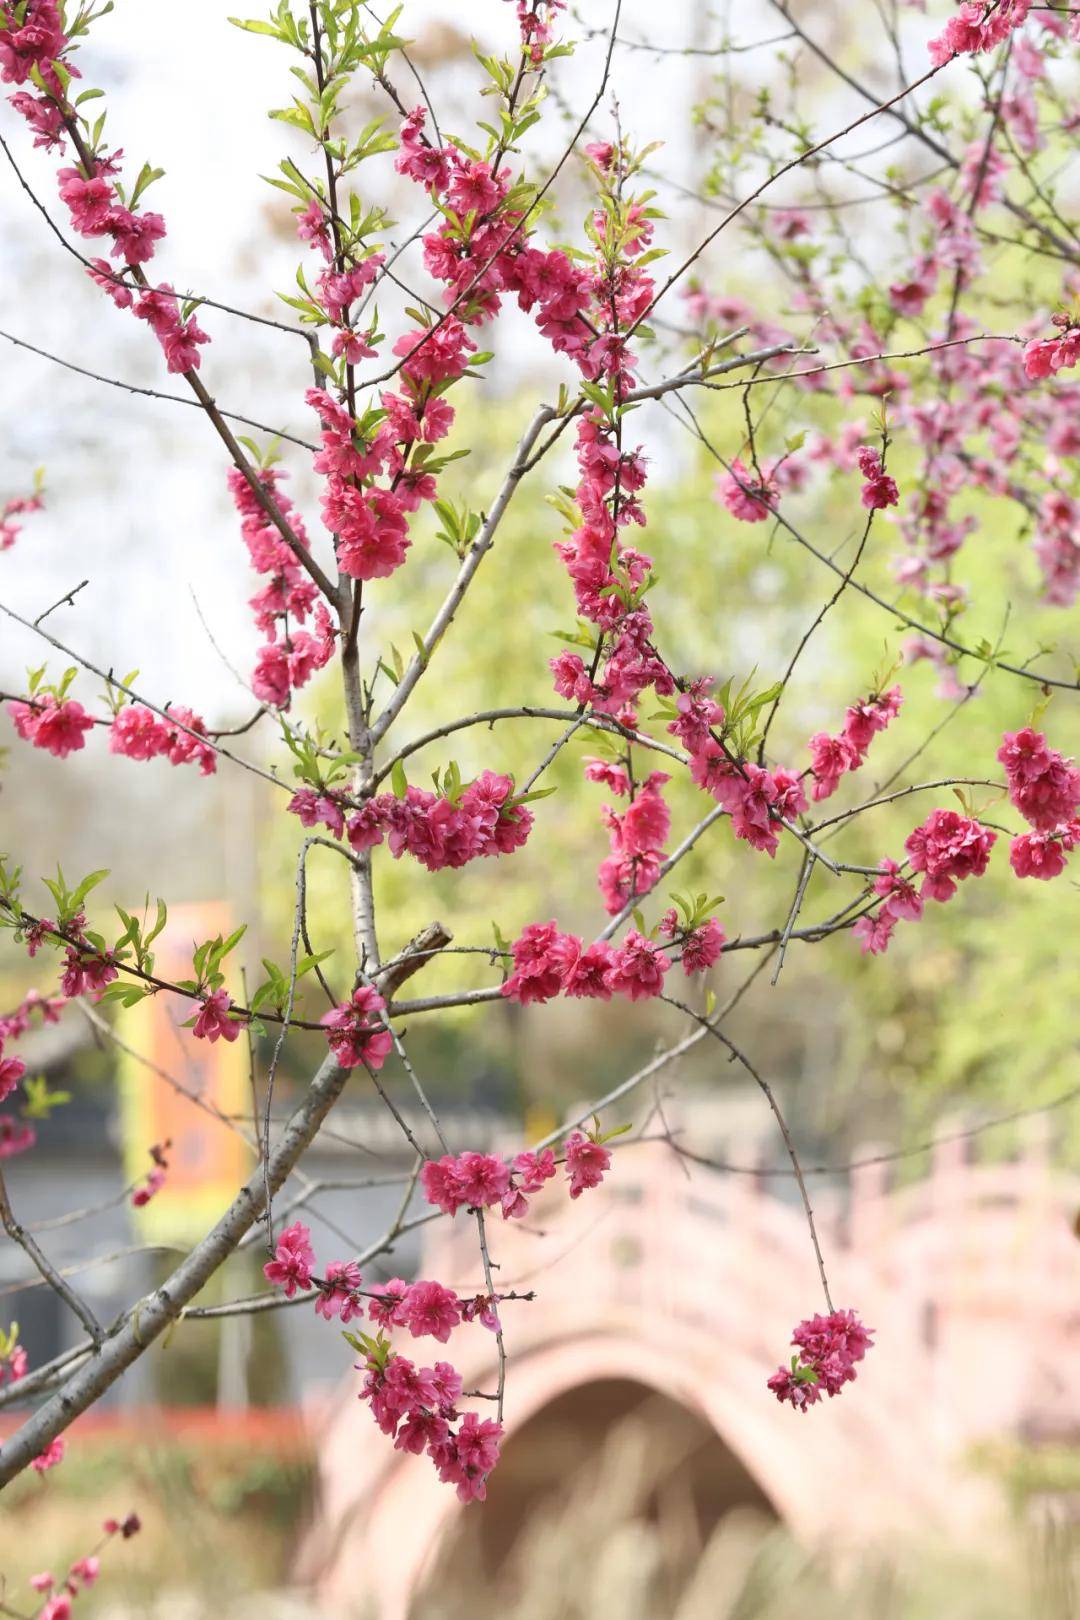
{"x":287,"y":600}
{"x":828,"y":1349}
{"x":1045,"y":788}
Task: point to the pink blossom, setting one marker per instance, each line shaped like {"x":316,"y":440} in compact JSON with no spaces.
{"x":340,"y":1296}
{"x":483,"y":1179}
{"x":214,"y":1020}
{"x":290,"y":1269}
{"x":638,"y":968}
{"x":386,"y":1307}
{"x":865,"y":719}
{"x":11,"y":1072}
{"x":430,"y":1309}
{"x":702,"y":947}
{"x":879,"y":490}
{"x":830,"y":757}
{"x":647,"y":821}
{"x":745,"y":495}
{"x":357,"y":1031}
{"x":16,"y":1136}
{"x":53,"y":1454}
{"x":1034,"y":855}
{"x":543,"y":958}
{"x":948,"y":848}
{"x":586,"y":1163}
{"x":590,"y":976}
{"x":801,"y":1393}
{"x":1043,"y":785}
{"x":442,"y":1185}
{"x":138,"y":734}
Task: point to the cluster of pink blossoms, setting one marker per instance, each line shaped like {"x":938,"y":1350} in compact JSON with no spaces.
{"x":18,"y":1135}
{"x":57,"y":726}
{"x":50,"y":1457}
{"x":1045,"y":788}
{"x":217,"y":1019}
{"x":18,"y":506}
{"x":947,"y":849}
{"x":548,"y":963}
{"x":749,"y":496}
{"x":417,"y":1406}
{"x":832,"y":757}
{"x":437,"y":829}
{"x":14,"y":1364}
{"x":582,"y":311}
{"x":536,"y":19}
{"x":979,"y":25}
{"x":60,"y":727}
{"x":637,"y":835}
{"x":35,"y":42}
{"x":137,"y":733}
{"x":155,"y":1178}
{"x":60,"y":1595}
{"x":828,"y":1349}
{"x":879,"y":490}
{"x":608,"y":577}
{"x":1043,"y":357}
{"x":483,"y":1181}
{"x":357,"y":1031}
{"x":288,"y":597}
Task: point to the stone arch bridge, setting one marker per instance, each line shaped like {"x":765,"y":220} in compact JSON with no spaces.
{"x":688,"y":1286}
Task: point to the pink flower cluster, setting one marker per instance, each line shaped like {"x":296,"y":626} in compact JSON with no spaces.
{"x":879,"y":490}
{"x":155,"y":1178}
{"x":548,"y":963}
{"x":86,"y":188}
{"x":1045,"y":788}
{"x":217,"y":1019}
{"x":702,"y":947}
{"x":483,"y":1180}
{"x":12,"y":1070}
{"x":829,"y":1348}
{"x":1045,"y":356}
{"x":582,"y":311}
{"x":832,"y":757}
{"x":483,"y":818}
{"x":536,"y":19}
{"x":287,"y":598}
{"x":19,"y":506}
{"x":81,"y":1574}
{"x":979,"y":25}
{"x":59,"y":727}
{"x":357,"y":1031}
{"x":418,"y":1407}
{"x":946,"y":849}
{"x":14,"y":1365}
{"x":370,"y":521}
{"x":137,"y":733}
{"x":50,"y":1457}
{"x":636,"y":836}
{"x":749,"y":497}
{"x":609,"y":577}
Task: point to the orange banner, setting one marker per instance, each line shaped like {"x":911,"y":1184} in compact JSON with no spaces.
{"x":192,"y":1093}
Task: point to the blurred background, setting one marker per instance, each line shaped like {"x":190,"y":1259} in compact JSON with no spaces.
{"x":648,"y":1472}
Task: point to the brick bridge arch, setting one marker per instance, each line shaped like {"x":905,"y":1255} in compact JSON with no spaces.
{"x":689,"y":1287}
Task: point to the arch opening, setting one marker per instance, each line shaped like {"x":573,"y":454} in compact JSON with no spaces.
{"x":611,"y":1468}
